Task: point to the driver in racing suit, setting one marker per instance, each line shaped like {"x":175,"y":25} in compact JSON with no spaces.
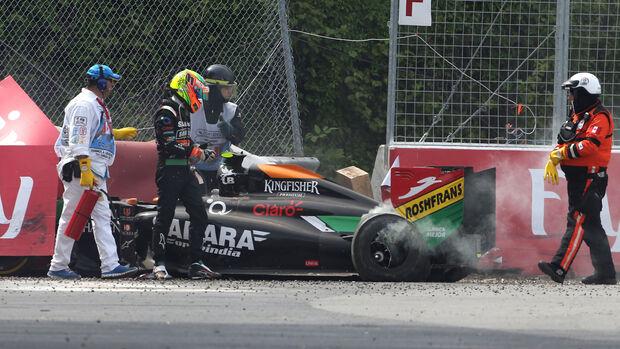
{"x":583,"y":151}
{"x":175,"y":178}
{"x":217,"y":124}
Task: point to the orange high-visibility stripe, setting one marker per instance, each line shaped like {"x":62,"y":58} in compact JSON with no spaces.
{"x":588,"y":182}
{"x":575,"y":241}
{"x":593,"y":169}
{"x":287,"y":171}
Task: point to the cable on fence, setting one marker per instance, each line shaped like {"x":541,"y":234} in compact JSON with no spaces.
{"x":437,"y":117}
{"x":260,"y":70}
{"x":494,"y":93}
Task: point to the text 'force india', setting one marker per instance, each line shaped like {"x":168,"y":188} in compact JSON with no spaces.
{"x":286,"y":219}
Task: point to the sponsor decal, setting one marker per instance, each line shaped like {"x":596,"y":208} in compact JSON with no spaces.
{"x":83,"y":130}
{"x":595,"y":129}
{"x":312,"y":263}
{"x":278,"y":210}
{"x":183,"y":133}
{"x":432,"y":201}
{"x":291,"y":186}
{"x":222,"y":240}
{"x":297,"y":195}
{"x":104,"y":154}
{"x":217,"y":207}
{"x":126,"y":244}
{"x":19,"y":210}
{"x":227,"y":177}
{"x":107,"y":127}
{"x":580,"y":124}
{"x":580,"y":146}
{"x":424,"y":183}
{"x":435,"y":232}
{"x":80,"y":121}
{"x":184,"y":124}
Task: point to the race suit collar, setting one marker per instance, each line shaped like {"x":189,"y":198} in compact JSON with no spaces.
{"x":594,"y":105}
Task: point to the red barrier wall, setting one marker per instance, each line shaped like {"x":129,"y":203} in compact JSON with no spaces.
{"x":27,"y":200}
{"x":133,"y":171}
{"x":531,"y":214}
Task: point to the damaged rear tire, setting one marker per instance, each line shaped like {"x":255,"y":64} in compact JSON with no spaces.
{"x":387,"y":247}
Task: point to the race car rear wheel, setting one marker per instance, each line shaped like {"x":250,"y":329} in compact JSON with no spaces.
{"x":388,"y":248}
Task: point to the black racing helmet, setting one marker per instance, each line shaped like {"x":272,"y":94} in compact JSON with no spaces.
{"x":218,"y":76}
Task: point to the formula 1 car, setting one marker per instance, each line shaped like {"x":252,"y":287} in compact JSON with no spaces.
{"x":285,"y":219}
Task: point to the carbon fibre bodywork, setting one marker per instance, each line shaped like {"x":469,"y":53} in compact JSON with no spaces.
{"x":281,"y":224}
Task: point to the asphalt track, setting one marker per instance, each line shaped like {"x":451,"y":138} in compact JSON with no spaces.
{"x":482,"y":311}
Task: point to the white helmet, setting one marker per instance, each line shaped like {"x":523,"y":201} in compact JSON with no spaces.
{"x":586,"y":80}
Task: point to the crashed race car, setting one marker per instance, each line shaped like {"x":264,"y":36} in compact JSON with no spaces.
{"x":283,"y":219}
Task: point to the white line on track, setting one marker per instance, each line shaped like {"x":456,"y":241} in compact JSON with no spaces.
{"x":145,"y":288}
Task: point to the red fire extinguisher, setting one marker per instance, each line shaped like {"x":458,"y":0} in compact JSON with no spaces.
{"x":82,"y":213}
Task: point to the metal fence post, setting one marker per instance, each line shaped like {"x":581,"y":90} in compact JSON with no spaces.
{"x":290,"y":78}
{"x":561,"y":63}
{"x":391,"y":100}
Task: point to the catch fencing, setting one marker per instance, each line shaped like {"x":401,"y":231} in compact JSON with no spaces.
{"x":47,"y":46}
{"x":489,"y":72}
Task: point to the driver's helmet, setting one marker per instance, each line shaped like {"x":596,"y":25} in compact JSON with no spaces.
{"x":219,"y":76}
{"x":191,"y":87}
{"x":585,"y":88}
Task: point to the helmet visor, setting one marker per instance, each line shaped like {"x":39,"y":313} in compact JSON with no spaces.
{"x":570,"y":84}
{"x":228,"y":91}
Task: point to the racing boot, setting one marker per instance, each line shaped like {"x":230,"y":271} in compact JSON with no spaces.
{"x":160,"y":273}
{"x":119,"y":272}
{"x":556,"y":273}
{"x":599,"y":280}
{"x":200,"y":271}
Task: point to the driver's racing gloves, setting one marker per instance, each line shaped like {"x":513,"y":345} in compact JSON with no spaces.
{"x":199,"y":154}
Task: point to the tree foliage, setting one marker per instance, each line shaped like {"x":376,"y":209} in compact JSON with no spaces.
{"x":342,"y":85}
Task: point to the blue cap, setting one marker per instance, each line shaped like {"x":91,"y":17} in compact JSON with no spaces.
{"x":95,"y":71}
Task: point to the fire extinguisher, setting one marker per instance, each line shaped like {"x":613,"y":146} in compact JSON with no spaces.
{"x":82,"y":214}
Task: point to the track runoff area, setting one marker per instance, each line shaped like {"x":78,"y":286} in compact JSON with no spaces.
{"x":482,"y":311}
